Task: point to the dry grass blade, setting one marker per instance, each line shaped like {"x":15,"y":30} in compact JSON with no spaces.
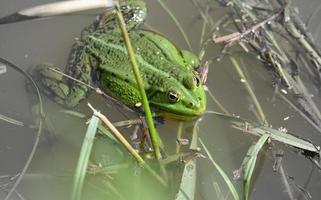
{"x":54,"y":9}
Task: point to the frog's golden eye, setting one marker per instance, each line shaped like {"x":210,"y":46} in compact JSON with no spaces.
{"x":173,"y":96}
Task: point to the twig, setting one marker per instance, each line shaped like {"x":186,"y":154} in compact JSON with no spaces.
{"x":237,"y":35}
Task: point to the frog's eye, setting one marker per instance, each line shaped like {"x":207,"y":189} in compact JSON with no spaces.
{"x":173,"y":96}
{"x":196,"y":81}
{"x":191,"y":82}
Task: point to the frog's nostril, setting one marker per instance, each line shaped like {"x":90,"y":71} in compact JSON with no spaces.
{"x":190,"y":104}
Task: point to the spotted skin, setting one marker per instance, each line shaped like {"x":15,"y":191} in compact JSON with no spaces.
{"x":100,"y":57}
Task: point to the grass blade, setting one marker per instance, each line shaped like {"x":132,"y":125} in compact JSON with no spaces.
{"x":222,"y":173}
{"x":80,"y":173}
{"x":177,"y":24}
{"x":249,"y":89}
{"x":249,"y":163}
{"x":277,"y":135}
{"x":187,"y":186}
{"x":258,"y":130}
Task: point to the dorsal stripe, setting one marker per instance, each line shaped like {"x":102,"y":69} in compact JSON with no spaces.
{"x":143,"y":63}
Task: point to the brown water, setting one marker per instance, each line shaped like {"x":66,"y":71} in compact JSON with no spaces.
{"x":49,"y":40}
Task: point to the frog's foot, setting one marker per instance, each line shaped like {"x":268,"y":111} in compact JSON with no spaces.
{"x":58,"y":87}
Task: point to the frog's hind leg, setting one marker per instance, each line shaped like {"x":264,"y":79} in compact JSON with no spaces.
{"x":58,"y":87}
{"x":63,"y":89}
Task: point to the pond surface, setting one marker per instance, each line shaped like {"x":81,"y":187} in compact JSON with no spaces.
{"x":49,"y":41}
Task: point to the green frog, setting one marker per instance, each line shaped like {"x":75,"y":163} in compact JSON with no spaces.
{"x":99,"y":57}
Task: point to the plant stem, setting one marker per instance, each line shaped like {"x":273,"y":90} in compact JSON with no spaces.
{"x":152,"y":130}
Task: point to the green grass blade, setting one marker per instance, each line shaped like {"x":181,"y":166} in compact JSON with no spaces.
{"x":249,"y":89}
{"x":279,"y":136}
{"x":187,"y":186}
{"x":258,"y":130}
{"x":180,"y":28}
{"x":83,"y":160}
{"x":222,"y":173}
{"x":249,"y":162}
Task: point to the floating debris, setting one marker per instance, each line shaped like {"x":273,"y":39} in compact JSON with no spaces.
{"x":286,"y":118}
{"x":182,"y":141}
{"x":284,"y":91}
{"x":3,"y":68}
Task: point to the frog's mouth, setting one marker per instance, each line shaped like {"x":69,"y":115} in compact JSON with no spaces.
{"x":176,"y":116}
{"x":180,"y":114}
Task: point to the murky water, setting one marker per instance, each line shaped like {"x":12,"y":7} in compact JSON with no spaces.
{"x":49,"y":40}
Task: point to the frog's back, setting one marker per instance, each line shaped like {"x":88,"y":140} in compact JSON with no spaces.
{"x":155,"y":54}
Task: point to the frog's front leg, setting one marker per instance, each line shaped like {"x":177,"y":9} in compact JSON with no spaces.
{"x":58,"y":87}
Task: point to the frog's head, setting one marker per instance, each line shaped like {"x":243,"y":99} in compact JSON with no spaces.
{"x":180,"y":99}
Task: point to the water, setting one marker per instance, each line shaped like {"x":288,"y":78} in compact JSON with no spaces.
{"x":49,"y":41}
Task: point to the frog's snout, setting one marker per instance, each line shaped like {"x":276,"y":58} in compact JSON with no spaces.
{"x":197,"y":106}
{"x":194,"y":105}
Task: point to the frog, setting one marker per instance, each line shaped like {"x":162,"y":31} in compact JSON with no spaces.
{"x":99,"y":57}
